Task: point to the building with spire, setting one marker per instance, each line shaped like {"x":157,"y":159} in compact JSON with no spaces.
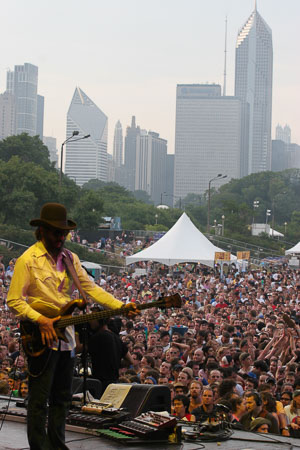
{"x":118,"y":145}
{"x":253,"y":85}
{"x":283,"y":134}
{"x":130,"y":155}
{"x":87,"y":159}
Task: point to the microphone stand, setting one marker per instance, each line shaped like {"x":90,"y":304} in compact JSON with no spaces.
{"x":84,"y":353}
{"x":84,"y":361}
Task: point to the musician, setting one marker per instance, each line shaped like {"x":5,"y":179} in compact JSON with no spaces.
{"x":41,"y":284}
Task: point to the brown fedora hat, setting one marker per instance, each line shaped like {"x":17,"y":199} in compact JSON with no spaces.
{"x":54,"y":215}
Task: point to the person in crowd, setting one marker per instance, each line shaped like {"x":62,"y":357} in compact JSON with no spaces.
{"x":260,"y":425}
{"x":181,"y":407}
{"x":254,"y":407}
{"x":207,"y":411}
{"x":196,"y":389}
{"x":293,"y":410}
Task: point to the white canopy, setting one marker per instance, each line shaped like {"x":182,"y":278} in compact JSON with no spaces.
{"x":275,"y":233}
{"x":295,"y":249}
{"x":182,"y":243}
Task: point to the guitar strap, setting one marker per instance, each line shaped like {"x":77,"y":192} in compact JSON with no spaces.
{"x":70,"y":267}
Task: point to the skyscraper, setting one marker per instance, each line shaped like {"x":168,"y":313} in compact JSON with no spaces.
{"x":86,"y":159}
{"x":253,"y":85}
{"x":150,"y":172}
{"x":208,"y":138}
{"x":7,"y":115}
{"x":283,"y":134}
{"x":130,"y":154}
{"x":40,"y":116}
{"x":50,"y":142}
{"x":22,"y":83}
{"x":118,"y":145}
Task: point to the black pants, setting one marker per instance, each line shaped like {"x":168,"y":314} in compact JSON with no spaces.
{"x":50,"y":381}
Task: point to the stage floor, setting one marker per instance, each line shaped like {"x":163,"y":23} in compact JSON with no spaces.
{"x":13,"y":437}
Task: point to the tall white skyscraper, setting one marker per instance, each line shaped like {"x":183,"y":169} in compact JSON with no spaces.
{"x":118,"y":145}
{"x":208,"y":138}
{"x":86,"y":159}
{"x":150,"y":168}
{"x":22,"y":83}
{"x":253,"y":85}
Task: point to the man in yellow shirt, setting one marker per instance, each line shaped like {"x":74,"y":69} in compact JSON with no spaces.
{"x":40,"y":281}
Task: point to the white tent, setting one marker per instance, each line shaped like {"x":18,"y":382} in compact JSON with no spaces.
{"x":182,"y":243}
{"x":274,"y":233}
{"x":295,"y":249}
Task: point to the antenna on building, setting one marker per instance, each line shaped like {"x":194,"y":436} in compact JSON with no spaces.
{"x":225,"y":59}
{"x":255,"y":5}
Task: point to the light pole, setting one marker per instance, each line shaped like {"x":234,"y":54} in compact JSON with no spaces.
{"x":285,"y":225}
{"x":156,"y":217}
{"x":223,"y":222}
{"x":219,"y":176}
{"x":161,"y":197}
{"x":215,"y":225}
{"x":255,"y":205}
{"x":75,"y":133}
{"x":268,"y":213}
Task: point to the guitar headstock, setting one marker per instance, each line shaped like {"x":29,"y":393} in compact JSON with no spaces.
{"x":171,"y":301}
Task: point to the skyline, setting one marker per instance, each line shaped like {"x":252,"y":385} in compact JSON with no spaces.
{"x":112,"y":54}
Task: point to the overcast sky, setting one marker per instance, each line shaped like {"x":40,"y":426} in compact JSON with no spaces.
{"x":129,"y":55}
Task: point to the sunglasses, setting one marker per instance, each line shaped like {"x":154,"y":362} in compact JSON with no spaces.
{"x":57,"y":232}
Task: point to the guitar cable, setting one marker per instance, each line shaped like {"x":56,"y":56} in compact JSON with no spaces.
{"x":36,"y":375}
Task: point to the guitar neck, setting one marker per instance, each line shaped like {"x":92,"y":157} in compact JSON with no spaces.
{"x":84,"y":318}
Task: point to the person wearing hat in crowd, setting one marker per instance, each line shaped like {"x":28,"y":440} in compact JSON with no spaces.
{"x":180,"y":388}
{"x":40,"y":283}
{"x":260,"y":425}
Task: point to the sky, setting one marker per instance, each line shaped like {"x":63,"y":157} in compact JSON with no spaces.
{"x":129,"y":55}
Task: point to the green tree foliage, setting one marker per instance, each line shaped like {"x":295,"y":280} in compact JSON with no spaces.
{"x":143,"y":196}
{"x":93,"y":185}
{"x":88,"y":210}
{"x":25,"y":187}
{"x":28,"y":180}
{"x":27,"y":148}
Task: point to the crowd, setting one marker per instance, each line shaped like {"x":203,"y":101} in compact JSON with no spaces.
{"x":235,"y":342}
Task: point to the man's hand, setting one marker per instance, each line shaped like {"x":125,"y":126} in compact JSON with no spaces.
{"x":131,"y":310}
{"x":47,"y":330}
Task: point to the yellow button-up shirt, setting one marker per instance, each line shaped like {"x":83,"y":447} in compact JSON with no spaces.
{"x":40,"y":282}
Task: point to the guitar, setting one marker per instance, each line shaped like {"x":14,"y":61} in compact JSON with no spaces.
{"x":30,"y":332}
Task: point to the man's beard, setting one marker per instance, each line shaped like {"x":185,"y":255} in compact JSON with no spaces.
{"x":54,"y":248}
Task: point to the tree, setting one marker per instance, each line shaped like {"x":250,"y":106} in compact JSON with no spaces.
{"x":94,"y":185}
{"x":143,"y":196}
{"x":25,"y":187}
{"x":87,"y":212}
{"x":27,"y":148}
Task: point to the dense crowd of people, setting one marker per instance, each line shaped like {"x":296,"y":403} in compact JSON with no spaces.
{"x":234,"y":342}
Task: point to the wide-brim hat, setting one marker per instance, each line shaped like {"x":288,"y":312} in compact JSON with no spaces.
{"x":54,"y":215}
{"x":258,"y":422}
